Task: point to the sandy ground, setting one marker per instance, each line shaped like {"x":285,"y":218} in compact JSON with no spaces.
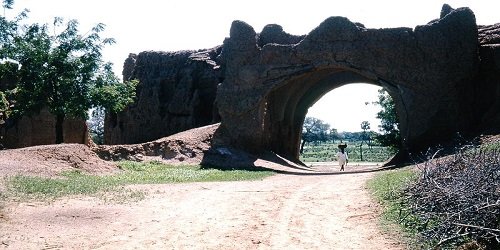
{"x":305,"y":207}
{"x":285,"y":211}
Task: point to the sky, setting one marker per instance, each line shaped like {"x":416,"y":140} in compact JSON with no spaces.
{"x":172,"y":25}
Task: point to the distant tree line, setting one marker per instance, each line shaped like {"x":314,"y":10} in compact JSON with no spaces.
{"x":317,"y":131}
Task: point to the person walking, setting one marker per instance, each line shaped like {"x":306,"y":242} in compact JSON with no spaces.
{"x":342,"y":156}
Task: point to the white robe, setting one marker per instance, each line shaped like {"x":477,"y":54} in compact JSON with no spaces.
{"x":342,"y":158}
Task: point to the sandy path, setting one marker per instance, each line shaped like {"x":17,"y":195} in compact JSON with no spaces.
{"x":283,"y":211}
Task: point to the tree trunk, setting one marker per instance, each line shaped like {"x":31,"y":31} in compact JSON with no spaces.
{"x":361,"y":151}
{"x":59,"y":128}
{"x":302,"y":147}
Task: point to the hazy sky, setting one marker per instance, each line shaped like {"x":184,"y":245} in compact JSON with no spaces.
{"x":171,"y":25}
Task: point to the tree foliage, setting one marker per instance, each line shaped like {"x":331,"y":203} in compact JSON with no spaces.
{"x":96,"y":125}
{"x":7,"y":76}
{"x":365,"y":136}
{"x":61,"y":69}
{"x":365,"y":126}
{"x":334,"y":134}
{"x":316,"y":130}
{"x":4,"y":108}
{"x":7,"y":4}
{"x":389,"y":128}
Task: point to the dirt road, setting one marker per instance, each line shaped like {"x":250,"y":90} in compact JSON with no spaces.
{"x":281,"y":212}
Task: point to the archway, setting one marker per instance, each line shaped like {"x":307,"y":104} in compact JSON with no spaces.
{"x":287,"y":105}
{"x":349,"y":114}
{"x":269,"y":85}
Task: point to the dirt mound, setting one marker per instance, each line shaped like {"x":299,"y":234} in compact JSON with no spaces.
{"x":489,"y":139}
{"x":49,"y":160}
{"x":194,"y":147}
{"x":186,"y":147}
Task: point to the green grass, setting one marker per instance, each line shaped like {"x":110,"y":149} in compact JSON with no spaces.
{"x":325,"y":152}
{"x":495,"y":146}
{"x":387,"y":188}
{"x":77,"y":183}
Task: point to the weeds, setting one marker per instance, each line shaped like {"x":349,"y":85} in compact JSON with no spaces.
{"x":388,"y":189}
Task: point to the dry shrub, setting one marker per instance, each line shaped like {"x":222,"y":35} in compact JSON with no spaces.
{"x":457,"y":199}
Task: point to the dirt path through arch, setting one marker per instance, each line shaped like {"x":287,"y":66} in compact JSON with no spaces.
{"x":280,"y":212}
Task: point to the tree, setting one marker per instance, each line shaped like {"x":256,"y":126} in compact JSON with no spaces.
{"x":333,"y":134}
{"x":8,"y":67}
{"x":308,"y":131}
{"x":389,"y":128}
{"x":7,"y":4}
{"x":371,"y":135}
{"x":63,"y":71}
{"x":4,"y":110}
{"x":351,"y":136}
{"x":314,"y":130}
{"x":365,"y":126}
{"x":96,"y":125}
{"x":366,"y":135}
{"x":323,"y":129}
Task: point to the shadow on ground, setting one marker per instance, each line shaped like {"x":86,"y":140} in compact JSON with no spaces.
{"x":224,"y":158}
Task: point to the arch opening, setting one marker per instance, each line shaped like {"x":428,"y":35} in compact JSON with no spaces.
{"x":286,"y":106}
{"x":345,"y":107}
{"x":348,"y":114}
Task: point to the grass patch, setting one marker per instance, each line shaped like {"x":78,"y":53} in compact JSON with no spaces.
{"x":495,"y":146}
{"x":2,"y":198}
{"x":77,"y":183}
{"x":387,"y":188}
{"x":324,"y":152}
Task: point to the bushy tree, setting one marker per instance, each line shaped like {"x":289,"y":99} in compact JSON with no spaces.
{"x":4,"y":108}
{"x":8,"y":72}
{"x":7,"y":4}
{"x":308,"y":131}
{"x":314,"y":130}
{"x":61,"y":69}
{"x":333,"y":134}
{"x":365,"y":126}
{"x":96,"y":125}
{"x":323,"y":129}
{"x":389,"y":128}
